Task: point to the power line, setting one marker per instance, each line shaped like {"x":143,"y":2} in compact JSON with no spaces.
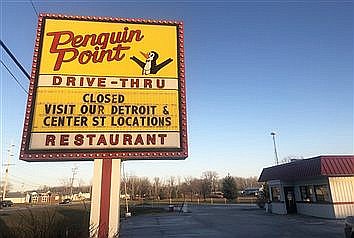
{"x":34,"y":8}
{"x":22,"y":180}
{"x":14,"y":59}
{"x":14,"y":77}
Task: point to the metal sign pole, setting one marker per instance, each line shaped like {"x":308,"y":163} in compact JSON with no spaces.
{"x":104,"y":217}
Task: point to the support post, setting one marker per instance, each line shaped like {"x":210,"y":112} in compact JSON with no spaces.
{"x":104,"y":217}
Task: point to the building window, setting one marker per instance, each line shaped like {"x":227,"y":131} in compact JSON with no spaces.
{"x":306,"y":193}
{"x":321,"y":192}
{"x":275,"y":194}
{"x":34,"y":198}
{"x":44,"y":199}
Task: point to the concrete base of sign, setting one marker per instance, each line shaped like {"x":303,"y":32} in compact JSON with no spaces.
{"x":104,"y":217}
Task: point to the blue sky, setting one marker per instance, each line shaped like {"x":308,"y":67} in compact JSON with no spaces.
{"x":251,"y":68}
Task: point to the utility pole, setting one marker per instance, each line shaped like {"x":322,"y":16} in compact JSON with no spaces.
{"x":23,"y":193}
{"x":74,"y":171}
{"x":275,"y":148}
{"x":9,"y":157}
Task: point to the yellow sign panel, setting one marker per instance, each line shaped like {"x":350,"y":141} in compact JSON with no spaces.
{"x":107,"y":84}
{"x":105,"y":48}
{"x":105,"y":110}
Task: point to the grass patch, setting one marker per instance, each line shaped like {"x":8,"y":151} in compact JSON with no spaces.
{"x":42,"y":222}
{"x":69,"y":221}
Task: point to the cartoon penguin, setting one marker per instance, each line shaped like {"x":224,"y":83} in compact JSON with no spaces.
{"x":150,"y":66}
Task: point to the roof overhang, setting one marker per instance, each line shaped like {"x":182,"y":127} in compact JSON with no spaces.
{"x":316,"y":167}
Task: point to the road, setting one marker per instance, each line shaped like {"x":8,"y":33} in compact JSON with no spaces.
{"x":229,"y":221}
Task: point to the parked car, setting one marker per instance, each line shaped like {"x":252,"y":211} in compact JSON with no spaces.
{"x":349,"y":227}
{"x":7,"y":203}
{"x":250,"y":192}
{"x":66,"y":201}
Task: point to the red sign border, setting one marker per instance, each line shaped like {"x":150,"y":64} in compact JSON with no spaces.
{"x":132,"y":154}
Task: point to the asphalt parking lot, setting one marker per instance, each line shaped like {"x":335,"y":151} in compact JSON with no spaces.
{"x":229,"y":221}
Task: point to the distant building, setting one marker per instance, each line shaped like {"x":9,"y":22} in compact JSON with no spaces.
{"x":41,"y":198}
{"x":78,"y":196}
{"x":16,"y":197}
{"x":34,"y":197}
{"x":322,"y":186}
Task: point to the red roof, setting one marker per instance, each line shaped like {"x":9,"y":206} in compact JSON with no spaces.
{"x":328,"y":165}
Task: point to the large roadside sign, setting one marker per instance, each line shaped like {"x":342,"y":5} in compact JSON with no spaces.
{"x":106,"y":88}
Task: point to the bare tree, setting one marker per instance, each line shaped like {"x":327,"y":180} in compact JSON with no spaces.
{"x":66,"y":183}
{"x":177,"y":188}
{"x":156,"y":187}
{"x":250,"y":182}
{"x":190,"y":188}
{"x":187,"y":188}
{"x":132,"y":186}
{"x":144,"y":187}
{"x":170,"y":184}
{"x":209,"y":183}
{"x":164,"y":191}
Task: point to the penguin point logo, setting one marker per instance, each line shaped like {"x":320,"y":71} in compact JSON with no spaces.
{"x":99,"y":41}
{"x":150,"y":66}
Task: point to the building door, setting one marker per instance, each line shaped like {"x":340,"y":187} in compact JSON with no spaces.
{"x":290,"y":199}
